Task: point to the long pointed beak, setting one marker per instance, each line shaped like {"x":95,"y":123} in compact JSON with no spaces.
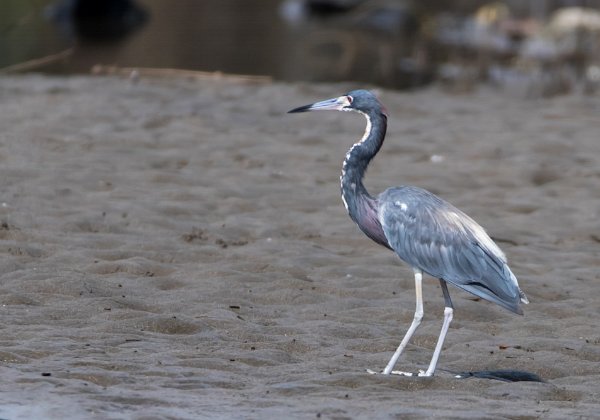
{"x":335,"y":104}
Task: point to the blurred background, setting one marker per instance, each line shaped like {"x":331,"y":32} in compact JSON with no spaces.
{"x":530,"y":47}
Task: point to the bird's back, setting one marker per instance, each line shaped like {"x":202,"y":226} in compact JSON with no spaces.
{"x":432,"y":235}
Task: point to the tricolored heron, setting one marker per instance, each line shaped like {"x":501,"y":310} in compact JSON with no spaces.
{"x":428,"y":233}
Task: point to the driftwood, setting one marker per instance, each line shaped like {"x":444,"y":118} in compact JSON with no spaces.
{"x":133,"y":72}
{"x":137,"y":72}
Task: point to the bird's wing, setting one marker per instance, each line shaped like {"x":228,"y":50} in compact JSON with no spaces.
{"x":436,"y":237}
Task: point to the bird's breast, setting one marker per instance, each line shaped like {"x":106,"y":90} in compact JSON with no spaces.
{"x":367,"y":220}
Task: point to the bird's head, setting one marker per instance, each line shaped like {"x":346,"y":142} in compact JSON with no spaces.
{"x":357,"y":100}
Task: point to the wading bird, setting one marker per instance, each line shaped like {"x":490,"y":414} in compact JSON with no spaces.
{"x":428,"y":233}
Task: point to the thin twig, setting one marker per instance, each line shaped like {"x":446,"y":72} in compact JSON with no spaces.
{"x":37,"y":62}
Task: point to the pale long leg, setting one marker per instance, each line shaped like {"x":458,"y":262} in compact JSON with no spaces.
{"x":415,"y":323}
{"x":448,"y":312}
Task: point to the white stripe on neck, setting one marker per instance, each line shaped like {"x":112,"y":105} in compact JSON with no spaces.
{"x":357,"y":144}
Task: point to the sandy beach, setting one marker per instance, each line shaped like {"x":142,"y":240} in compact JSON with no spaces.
{"x":177,"y":248}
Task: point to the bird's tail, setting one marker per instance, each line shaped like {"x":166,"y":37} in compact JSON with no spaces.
{"x":494,"y":287}
{"x":523,"y":297}
{"x":514,"y":279}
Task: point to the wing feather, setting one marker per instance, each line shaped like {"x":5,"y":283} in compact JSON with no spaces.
{"x":431,"y":234}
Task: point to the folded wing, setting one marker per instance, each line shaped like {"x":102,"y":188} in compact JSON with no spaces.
{"x":431,"y":234}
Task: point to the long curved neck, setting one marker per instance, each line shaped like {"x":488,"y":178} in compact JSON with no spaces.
{"x":361,"y":206}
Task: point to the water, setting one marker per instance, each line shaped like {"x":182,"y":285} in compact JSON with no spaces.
{"x":257,"y":37}
{"x":387,"y":43}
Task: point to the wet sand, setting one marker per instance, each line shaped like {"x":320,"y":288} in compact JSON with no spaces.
{"x":179,"y":249}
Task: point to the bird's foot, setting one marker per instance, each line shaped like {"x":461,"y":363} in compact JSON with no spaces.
{"x":400,"y":373}
{"x":420,"y":373}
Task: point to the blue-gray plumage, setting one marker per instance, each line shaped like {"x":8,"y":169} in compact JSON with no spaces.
{"x":428,"y":233}
{"x":433,"y":235}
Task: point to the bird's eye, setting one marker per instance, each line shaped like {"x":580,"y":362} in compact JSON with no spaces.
{"x":350,"y":99}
